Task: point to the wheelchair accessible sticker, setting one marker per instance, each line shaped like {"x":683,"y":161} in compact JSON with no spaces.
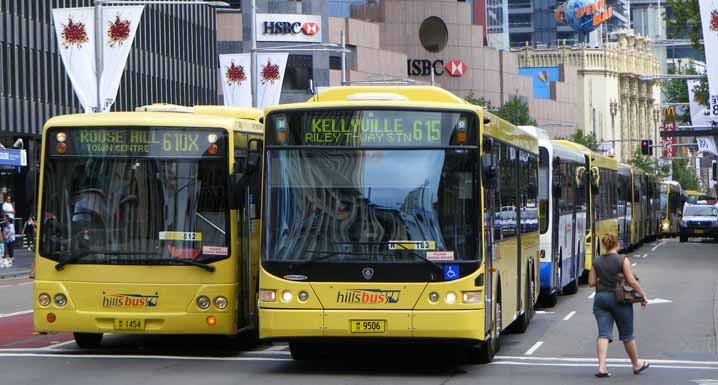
{"x":451,"y":272}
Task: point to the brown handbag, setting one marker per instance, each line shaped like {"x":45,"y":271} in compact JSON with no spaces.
{"x":624,"y":291}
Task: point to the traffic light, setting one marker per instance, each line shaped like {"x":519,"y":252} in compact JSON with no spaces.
{"x":646,"y":147}
{"x":715,"y":170}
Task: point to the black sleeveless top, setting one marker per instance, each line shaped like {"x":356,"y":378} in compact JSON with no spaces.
{"x":606,"y":267}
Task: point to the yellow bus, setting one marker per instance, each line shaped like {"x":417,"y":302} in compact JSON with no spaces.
{"x":397,"y":214}
{"x":148,"y":222}
{"x":604,"y":197}
{"x":672,"y":198}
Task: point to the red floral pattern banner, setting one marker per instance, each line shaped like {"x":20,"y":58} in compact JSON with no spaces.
{"x":270,"y":72}
{"x":118,"y":31}
{"x":235,"y":74}
{"x":73,"y":34}
{"x":714,"y":20}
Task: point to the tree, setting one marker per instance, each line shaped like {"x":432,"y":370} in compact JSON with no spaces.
{"x":685,"y":20}
{"x":645,"y":163}
{"x":480,"y":101}
{"x":516,"y":111}
{"x":588,"y":140}
{"x":685,"y":175}
{"x":676,"y":91}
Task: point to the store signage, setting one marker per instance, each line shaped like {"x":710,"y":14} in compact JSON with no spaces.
{"x":289,"y":28}
{"x":424,"y":67}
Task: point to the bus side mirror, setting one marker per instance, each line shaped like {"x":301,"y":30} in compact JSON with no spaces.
{"x":488,"y":145}
{"x":531,"y":189}
{"x":237,"y":189}
{"x":254,"y":153}
{"x":557,"y":188}
{"x":490,"y":175}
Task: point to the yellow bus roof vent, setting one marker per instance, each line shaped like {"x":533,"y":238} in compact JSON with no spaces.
{"x":376,"y":96}
{"x":162,"y":107}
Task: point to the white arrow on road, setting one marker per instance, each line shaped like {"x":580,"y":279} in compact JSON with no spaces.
{"x":658,"y":300}
{"x":705,"y":382}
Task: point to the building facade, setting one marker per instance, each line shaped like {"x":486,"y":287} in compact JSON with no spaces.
{"x":173,"y":60}
{"x":614,"y":103}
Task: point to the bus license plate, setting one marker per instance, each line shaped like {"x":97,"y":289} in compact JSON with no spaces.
{"x":367,"y":326}
{"x":698,"y":231}
{"x":129,"y":324}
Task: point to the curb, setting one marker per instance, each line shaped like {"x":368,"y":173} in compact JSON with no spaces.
{"x":15,"y":274}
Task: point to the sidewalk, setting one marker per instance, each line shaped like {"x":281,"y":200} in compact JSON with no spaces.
{"x":22,"y":265}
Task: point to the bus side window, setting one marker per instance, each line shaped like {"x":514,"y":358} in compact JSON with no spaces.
{"x":255,"y":186}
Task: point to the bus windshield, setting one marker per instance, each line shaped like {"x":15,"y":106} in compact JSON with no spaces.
{"x":372,"y":205}
{"x":113,"y":201}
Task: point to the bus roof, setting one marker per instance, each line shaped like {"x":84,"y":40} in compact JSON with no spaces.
{"x":578,"y":147}
{"x":155,"y":118}
{"x":603,"y":161}
{"x":417,"y":97}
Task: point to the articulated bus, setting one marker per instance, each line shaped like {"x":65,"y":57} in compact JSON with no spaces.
{"x":147,"y":223}
{"x":604,"y":199}
{"x":625,"y":206}
{"x":671,"y":207}
{"x":653,"y":192}
{"x":382,"y":221}
{"x":639,"y":227}
{"x":562,"y":199}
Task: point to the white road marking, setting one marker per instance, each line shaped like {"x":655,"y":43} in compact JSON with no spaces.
{"x":544,"y":312}
{"x":16,"y":313}
{"x":616,"y":360}
{"x":143,"y":357}
{"x":275,"y":348}
{"x":16,"y":284}
{"x":57,"y":345}
{"x":637,"y":256}
{"x":568,"y":317}
{"x":658,"y":245}
{"x":592,"y":295}
{"x":634,"y":264}
{"x":644,"y":255}
{"x":705,"y":382}
{"x":533,"y":348}
{"x":516,"y":363}
{"x":658,"y":300}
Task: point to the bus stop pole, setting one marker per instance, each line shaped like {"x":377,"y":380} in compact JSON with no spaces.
{"x":253,"y":55}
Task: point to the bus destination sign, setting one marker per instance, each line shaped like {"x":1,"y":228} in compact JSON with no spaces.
{"x":371,"y":128}
{"x":141,"y":142}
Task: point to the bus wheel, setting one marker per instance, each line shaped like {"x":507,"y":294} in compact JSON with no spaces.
{"x":302,"y":351}
{"x":684,"y":238}
{"x":88,"y":340}
{"x":549,"y":300}
{"x":485,"y":352}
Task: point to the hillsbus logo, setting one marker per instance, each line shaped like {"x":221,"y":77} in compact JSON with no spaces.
{"x":129,"y":300}
{"x":368,"y":296}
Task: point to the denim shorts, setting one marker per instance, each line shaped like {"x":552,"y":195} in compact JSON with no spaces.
{"x":607,"y":311}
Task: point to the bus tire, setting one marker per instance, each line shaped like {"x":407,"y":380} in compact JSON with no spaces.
{"x":88,"y":340}
{"x":684,"y":238}
{"x":484,"y":353}
{"x":549,"y":300}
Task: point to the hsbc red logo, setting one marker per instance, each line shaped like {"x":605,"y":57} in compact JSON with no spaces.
{"x":310,"y":28}
{"x":456,"y":68}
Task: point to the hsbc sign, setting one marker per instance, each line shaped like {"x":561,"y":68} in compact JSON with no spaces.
{"x":424,"y":67}
{"x":289,"y":28}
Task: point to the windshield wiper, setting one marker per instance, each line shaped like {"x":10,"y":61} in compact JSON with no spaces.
{"x":72,"y":258}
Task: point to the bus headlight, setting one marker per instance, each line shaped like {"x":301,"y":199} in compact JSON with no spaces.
{"x":220,"y":302}
{"x":61,"y":137}
{"x":287,"y":296}
{"x":267,"y":295}
{"x":472,"y":297}
{"x":303,"y":296}
{"x":60,"y":300}
{"x":44,"y":299}
{"x":665,"y":226}
{"x":203,"y":302}
{"x":433,"y":296}
{"x":450,"y":297}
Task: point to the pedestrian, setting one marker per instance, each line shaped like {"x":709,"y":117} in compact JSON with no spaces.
{"x":8,"y":208}
{"x":607,"y":311}
{"x":8,"y":233}
{"x":30,"y":232}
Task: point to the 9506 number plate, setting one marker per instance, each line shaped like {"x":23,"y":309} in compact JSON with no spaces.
{"x":367,"y":326}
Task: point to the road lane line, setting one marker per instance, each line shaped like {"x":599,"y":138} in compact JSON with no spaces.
{"x":16,"y":313}
{"x":617,"y":360}
{"x":143,"y":357}
{"x":544,"y":312}
{"x":637,"y":256}
{"x":634,"y":264}
{"x":592,"y":295}
{"x":516,"y":363}
{"x":658,"y":245}
{"x":57,"y":345}
{"x":568,"y":317}
{"x":275,"y":348}
{"x":644,"y":255}
{"x":534,"y":348}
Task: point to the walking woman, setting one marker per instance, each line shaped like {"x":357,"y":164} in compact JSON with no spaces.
{"x":607,"y":311}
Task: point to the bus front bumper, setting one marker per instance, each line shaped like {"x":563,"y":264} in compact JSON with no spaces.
{"x":152,"y":323}
{"x":287,"y":324}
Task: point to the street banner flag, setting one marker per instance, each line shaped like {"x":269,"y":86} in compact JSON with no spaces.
{"x":709,"y":22}
{"x":700,"y":115}
{"x":236,"y":79}
{"x":707,"y":145}
{"x":75,"y":29}
{"x":119,"y":25}
{"x":270,"y":75}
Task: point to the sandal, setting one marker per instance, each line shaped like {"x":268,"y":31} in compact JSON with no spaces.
{"x":602,"y":375}
{"x":645,"y":366}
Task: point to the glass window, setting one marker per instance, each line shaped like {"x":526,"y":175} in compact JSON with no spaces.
{"x":506,"y":216}
{"x":543,"y":191}
{"x":298,"y":72}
